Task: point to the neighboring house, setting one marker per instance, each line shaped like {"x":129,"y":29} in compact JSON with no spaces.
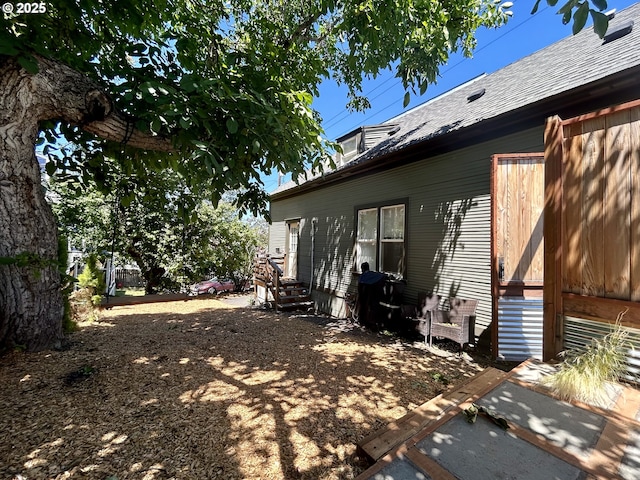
{"x":418,"y":203}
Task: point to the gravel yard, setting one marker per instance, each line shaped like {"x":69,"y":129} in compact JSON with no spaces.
{"x":207,"y":389}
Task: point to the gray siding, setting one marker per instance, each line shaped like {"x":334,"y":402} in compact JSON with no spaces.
{"x":277,"y":235}
{"x":448,"y":224}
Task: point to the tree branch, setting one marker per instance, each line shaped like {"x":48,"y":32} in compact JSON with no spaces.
{"x":72,"y":96}
{"x":300,"y":32}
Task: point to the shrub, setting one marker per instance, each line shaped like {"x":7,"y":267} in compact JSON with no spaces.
{"x":82,"y":307}
{"x":84,"y":302}
{"x":91,"y":278}
{"x":585,"y":372}
{"x":67,"y":283}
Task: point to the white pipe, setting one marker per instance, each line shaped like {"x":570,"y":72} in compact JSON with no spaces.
{"x":313,"y":248}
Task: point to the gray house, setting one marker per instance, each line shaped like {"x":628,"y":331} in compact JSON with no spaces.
{"x":413,"y":196}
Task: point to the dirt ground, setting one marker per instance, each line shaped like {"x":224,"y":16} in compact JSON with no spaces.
{"x":208,"y":389}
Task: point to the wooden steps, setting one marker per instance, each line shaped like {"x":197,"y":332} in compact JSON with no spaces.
{"x":285,"y":293}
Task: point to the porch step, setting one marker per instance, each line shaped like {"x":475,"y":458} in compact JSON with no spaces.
{"x":288,"y":291}
{"x":296,"y":305}
{"x":294,"y":298}
{"x":291,"y":293}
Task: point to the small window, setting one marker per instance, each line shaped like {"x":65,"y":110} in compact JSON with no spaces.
{"x":380,"y":238}
{"x":349,"y":147}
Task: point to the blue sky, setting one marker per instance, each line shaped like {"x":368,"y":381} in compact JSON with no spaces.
{"x":523,"y":35}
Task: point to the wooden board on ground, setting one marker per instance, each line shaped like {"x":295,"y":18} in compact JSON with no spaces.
{"x":381,"y":442}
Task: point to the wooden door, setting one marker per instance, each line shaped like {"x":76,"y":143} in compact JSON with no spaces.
{"x":592,"y":227}
{"x":517,"y":250}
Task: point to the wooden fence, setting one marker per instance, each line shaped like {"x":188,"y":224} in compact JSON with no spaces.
{"x":129,"y":278}
{"x":592,"y":219}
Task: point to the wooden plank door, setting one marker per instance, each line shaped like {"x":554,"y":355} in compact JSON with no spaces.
{"x":517,"y":252}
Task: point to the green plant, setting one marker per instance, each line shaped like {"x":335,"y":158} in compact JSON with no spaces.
{"x":91,"y":278}
{"x":67,"y":285}
{"x":585,"y":372}
{"x":82,"y":307}
{"x":439,"y":377}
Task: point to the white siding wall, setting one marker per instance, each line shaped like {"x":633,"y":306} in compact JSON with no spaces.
{"x":448,"y":229}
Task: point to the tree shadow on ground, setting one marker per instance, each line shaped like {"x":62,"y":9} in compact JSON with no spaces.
{"x":213,"y":393}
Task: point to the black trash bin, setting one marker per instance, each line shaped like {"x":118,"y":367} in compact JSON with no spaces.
{"x":391,"y":303}
{"x":370,"y":292}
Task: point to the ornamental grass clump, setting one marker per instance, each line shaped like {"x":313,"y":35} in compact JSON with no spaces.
{"x":585,"y":372}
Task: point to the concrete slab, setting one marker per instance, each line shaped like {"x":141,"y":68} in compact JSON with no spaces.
{"x":483,"y":451}
{"x":400,"y":469}
{"x":569,"y":427}
{"x":630,"y":464}
{"x":549,"y":439}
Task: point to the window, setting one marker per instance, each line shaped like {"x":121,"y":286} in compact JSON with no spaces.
{"x":367,"y":236}
{"x":349,"y":147}
{"x":380,"y":238}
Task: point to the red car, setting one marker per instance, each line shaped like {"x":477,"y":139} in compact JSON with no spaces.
{"x":213,"y":285}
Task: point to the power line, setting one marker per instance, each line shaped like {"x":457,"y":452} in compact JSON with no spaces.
{"x":377,"y":112}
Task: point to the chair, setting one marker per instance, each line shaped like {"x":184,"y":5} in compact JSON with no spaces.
{"x":423,"y":313}
{"x":457,"y":323}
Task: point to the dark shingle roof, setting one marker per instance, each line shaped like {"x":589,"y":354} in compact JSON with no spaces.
{"x":561,"y":67}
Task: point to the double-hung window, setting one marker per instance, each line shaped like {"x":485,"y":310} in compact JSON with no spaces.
{"x":380,"y":238}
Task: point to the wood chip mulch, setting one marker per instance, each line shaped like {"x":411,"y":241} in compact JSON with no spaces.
{"x":205,"y":389}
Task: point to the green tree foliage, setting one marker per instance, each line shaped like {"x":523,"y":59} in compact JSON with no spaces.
{"x":231,"y":83}
{"x":155,"y":230}
{"x":229,"y":246}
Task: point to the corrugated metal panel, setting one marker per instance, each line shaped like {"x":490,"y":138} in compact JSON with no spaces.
{"x":578,"y":332}
{"x":519,"y":328}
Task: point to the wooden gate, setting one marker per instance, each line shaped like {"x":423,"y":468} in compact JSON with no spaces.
{"x":517,"y":202}
{"x":592,"y":221}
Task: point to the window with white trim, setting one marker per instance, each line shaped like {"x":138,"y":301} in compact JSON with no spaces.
{"x":349,"y":148}
{"x":380,"y":238}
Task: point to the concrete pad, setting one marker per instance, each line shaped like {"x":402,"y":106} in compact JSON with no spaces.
{"x":535,"y":371}
{"x":630,"y":465}
{"x":564,"y":425}
{"x":543,"y":427}
{"x":400,"y":470}
{"x":483,"y":451}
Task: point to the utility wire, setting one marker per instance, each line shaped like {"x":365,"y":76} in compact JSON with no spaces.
{"x":346,"y":114}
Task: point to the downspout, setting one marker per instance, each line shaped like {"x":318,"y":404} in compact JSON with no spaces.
{"x":314,"y":221}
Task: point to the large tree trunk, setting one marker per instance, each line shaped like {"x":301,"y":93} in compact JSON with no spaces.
{"x":31,"y":305}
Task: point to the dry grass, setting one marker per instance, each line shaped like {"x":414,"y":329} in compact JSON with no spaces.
{"x":586,"y":372}
{"x":204,"y":390}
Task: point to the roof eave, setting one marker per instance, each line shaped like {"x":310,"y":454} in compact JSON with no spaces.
{"x":617,"y":88}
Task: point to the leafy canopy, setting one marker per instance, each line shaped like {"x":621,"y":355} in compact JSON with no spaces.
{"x":231,"y":83}
{"x":157,"y":232}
